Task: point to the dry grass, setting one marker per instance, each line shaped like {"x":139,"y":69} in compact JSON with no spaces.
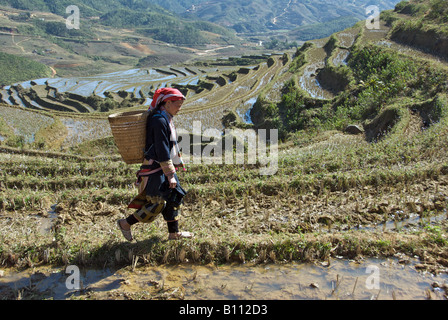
{"x":237,"y":215}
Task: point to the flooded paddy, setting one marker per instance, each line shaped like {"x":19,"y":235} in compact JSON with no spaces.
{"x":338,"y":279}
{"x":27,"y":124}
{"x":81,"y":130}
{"x":308,"y":82}
{"x":139,"y":82}
{"x":308,"y":79}
{"x":211,"y":92}
{"x":130,"y":80}
{"x":341,"y":57}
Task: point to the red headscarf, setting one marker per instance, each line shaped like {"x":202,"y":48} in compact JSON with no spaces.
{"x":166,"y":94}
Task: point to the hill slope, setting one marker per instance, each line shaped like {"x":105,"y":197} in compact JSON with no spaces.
{"x":375,"y":76}
{"x":262,"y":16}
{"x":118,"y":39}
{"x":87,"y":8}
{"x":15,"y":69}
{"x":120,"y":34}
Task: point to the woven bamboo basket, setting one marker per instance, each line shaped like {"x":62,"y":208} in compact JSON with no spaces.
{"x":129,"y":131}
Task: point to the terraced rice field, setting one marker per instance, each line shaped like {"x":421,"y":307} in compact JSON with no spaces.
{"x":335,"y":195}
{"x":207,"y":104}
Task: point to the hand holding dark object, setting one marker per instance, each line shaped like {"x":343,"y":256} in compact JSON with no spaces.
{"x":173,"y":183}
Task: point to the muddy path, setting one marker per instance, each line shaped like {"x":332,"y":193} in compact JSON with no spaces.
{"x":338,"y":279}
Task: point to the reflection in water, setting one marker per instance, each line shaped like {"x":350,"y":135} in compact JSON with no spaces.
{"x":384,"y":279}
{"x":341,"y":58}
{"x":311,"y":85}
{"x":243,"y":110}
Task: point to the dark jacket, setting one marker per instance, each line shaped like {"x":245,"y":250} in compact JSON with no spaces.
{"x":158,"y":139}
{"x":158,"y":147}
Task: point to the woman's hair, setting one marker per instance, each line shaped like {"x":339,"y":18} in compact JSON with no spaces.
{"x":156,"y":109}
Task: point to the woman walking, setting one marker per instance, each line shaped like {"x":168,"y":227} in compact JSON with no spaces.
{"x":159,"y":187}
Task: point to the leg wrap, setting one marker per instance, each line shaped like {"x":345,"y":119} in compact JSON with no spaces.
{"x":149,"y":212}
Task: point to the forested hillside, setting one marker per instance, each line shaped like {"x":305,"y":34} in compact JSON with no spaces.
{"x":113,"y":35}
{"x":267,"y":15}
{"x":241,"y":16}
{"x":14,"y":69}
{"x":150,"y":19}
{"x":88,"y":8}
